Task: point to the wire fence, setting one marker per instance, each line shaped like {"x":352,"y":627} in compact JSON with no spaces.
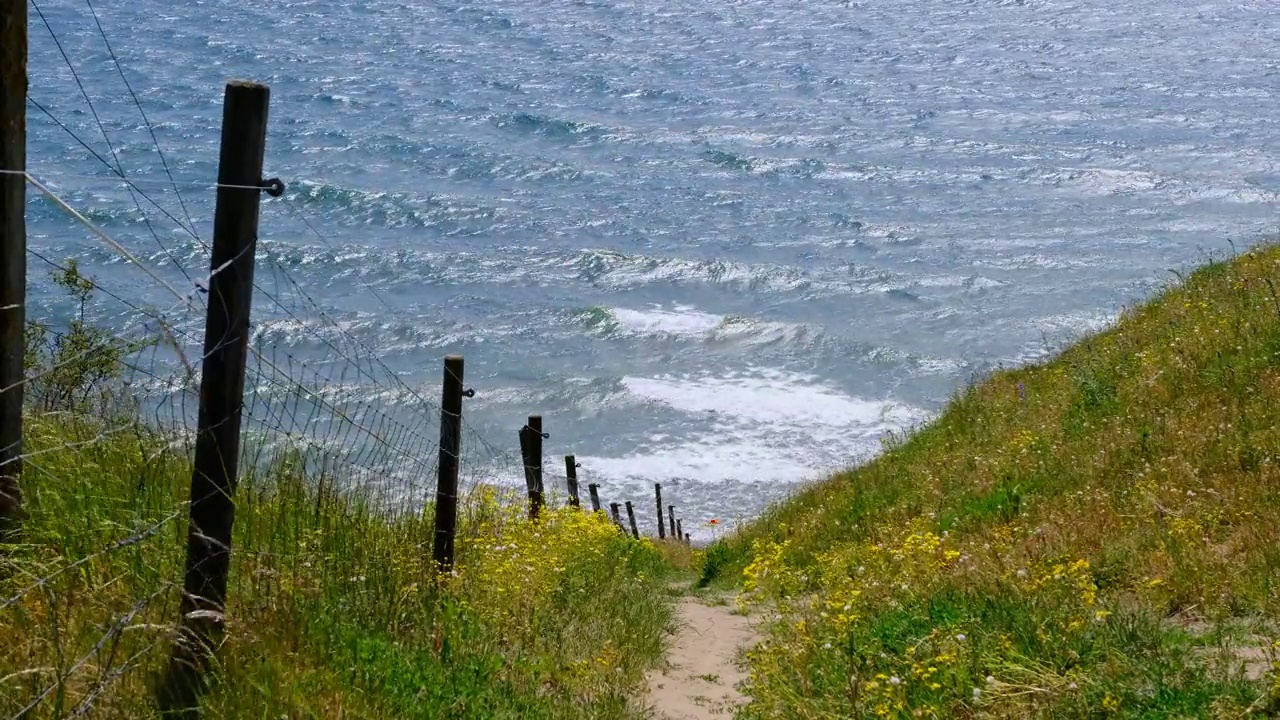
{"x":113,"y":413}
{"x":113,"y":397}
{"x":334,"y":443}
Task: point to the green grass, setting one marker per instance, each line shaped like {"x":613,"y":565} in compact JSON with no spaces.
{"x":332,"y":611}
{"x":1080,"y":538}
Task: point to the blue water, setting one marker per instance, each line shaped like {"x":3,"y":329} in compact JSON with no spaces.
{"x":723,"y":245}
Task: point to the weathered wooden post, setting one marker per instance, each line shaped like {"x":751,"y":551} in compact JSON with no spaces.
{"x":657,"y":492}
{"x":631,"y":516}
{"x":571,"y":476}
{"x":217,"y":452}
{"x":447,"y":468}
{"x":679,"y":528}
{"x":617,"y":519}
{"x":671,"y":515}
{"x":531,"y":437}
{"x":593,"y":489}
{"x":13,"y":256}
{"x":687,"y":541}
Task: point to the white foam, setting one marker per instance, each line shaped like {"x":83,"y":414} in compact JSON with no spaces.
{"x":1107,"y":181}
{"x":1077,"y":324}
{"x":681,"y":320}
{"x":768,"y":429}
{"x":767,"y":396}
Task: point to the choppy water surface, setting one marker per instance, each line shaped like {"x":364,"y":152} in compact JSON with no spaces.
{"x":719,"y":244}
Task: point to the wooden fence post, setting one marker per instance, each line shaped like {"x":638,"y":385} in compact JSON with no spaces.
{"x":13,"y":256}
{"x":671,"y":515}
{"x":657,"y":492}
{"x":571,"y":476}
{"x":687,"y":541}
{"x":679,"y":528}
{"x":447,"y":468}
{"x":593,"y":489}
{"x":531,"y":437}
{"x":631,"y":516}
{"x":617,"y":519}
{"x":217,"y":452}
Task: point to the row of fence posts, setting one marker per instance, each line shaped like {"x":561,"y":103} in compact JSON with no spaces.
{"x":217,"y":442}
{"x":531,"y":436}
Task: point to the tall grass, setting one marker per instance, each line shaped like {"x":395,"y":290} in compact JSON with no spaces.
{"x":334,"y":606}
{"x":1097,"y":535}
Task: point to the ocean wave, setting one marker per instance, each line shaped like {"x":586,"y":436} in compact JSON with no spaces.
{"x":687,"y":322}
{"x":550,"y":127}
{"x":391,"y":209}
{"x":681,"y":320}
{"x":611,"y":268}
{"x":759,"y":429}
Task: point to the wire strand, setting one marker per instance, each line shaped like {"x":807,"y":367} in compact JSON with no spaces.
{"x":213,"y":185}
{"x":137,"y":103}
{"x":102,"y":128}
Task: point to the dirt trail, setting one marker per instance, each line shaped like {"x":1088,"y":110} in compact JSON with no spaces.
{"x":698,"y":678}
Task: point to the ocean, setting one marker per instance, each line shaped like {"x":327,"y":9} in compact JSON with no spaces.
{"x":725,"y":245}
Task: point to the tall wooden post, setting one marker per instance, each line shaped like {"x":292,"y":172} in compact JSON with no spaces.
{"x":447,"y":468}
{"x":226,"y":340}
{"x":631,"y":516}
{"x":571,"y":477}
{"x":617,"y":519}
{"x":531,"y":437}
{"x":671,"y":515}
{"x":657,"y":492}
{"x":679,"y":528}
{"x":13,"y":255}
{"x":594,"y":490}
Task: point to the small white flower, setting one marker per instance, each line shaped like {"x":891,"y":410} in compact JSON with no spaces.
{"x":1022,"y":572}
{"x":991,"y":679}
{"x":894,"y":680}
{"x":1073,"y":686}
{"x":826,"y":646}
{"x":977,"y":693}
{"x":960,"y":637}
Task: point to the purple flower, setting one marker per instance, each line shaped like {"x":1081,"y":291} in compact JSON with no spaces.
{"x":1022,"y":391}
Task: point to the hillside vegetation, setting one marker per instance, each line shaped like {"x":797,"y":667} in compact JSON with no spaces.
{"x":332,"y":608}
{"x":1098,"y":535}
{"x":335,"y":609}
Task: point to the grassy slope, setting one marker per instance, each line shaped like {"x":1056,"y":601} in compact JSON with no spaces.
{"x":331,"y":612}
{"x":1096,"y":535}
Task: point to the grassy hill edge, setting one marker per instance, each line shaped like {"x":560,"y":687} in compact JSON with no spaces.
{"x":1093,"y":535}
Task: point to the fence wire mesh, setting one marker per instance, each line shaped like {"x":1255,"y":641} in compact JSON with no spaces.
{"x":330,"y":436}
{"x":335,"y":443}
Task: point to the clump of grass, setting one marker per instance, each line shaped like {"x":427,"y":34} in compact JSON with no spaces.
{"x":1074,"y":538}
{"x":334,"y":606}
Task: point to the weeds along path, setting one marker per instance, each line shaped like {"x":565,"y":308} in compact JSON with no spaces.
{"x":699,"y":676}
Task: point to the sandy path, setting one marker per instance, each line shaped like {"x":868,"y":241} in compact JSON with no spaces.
{"x":700,"y":673}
